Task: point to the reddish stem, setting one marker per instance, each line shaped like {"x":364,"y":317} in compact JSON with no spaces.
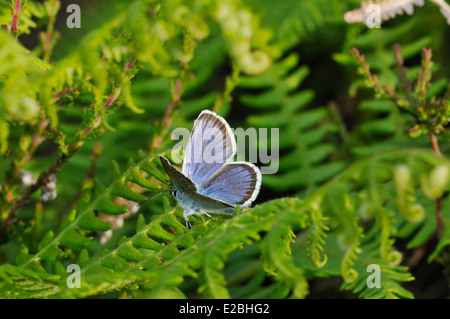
{"x":111,"y":99}
{"x":15,"y":18}
{"x":61,"y":94}
{"x":435,"y":144}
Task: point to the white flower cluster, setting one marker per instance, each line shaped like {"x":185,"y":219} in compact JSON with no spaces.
{"x":48,"y":192}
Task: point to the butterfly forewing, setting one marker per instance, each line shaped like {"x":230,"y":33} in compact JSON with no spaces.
{"x":184,"y":185}
{"x":210,"y":145}
{"x":181,"y":182}
{"x":235,"y":183}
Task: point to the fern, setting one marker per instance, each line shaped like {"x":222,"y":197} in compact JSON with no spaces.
{"x":415,"y":95}
{"x":295,"y":20}
{"x":166,"y":265}
{"x":199,"y":253}
{"x":276,"y":252}
{"x":83,"y":218}
{"x":343,"y":209}
{"x":304,"y":164}
{"x":22,"y":283}
{"x":316,"y":236}
{"x":363,"y":198}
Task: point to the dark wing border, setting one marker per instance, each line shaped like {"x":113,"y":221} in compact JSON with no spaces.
{"x":253,"y":189}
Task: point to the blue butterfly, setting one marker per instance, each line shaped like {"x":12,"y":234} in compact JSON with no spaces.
{"x":209,"y":182}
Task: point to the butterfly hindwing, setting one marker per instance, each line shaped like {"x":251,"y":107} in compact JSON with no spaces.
{"x":210,"y":145}
{"x":236,"y":183}
{"x":209,"y":204}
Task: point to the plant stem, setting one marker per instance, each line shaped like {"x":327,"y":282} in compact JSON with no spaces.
{"x":15,"y":18}
{"x":439,"y":224}
{"x":42,"y":180}
{"x":111,"y":99}
{"x":435,"y":144}
{"x":62,"y":160}
{"x":175,"y":101}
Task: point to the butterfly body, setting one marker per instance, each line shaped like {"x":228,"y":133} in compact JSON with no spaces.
{"x":209,"y":182}
{"x":196,"y":203}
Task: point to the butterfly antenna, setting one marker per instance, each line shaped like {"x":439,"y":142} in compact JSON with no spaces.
{"x":149,"y":199}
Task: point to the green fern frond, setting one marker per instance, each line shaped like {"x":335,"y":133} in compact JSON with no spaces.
{"x":297,"y":19}
{"x":316,"y":235}
{"x":276,"y":252}
{"x":162,"y":254}
{"x":305,"y":164}
{"x":389,"y":288}
{"x":341,"y":207}
{"x":17,"y":282}
{"x":71,"y":232}
{"x":390,"y":255}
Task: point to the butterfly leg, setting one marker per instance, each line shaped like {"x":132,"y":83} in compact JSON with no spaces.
{"x":209,"y":215}
{"x":186,"y":219}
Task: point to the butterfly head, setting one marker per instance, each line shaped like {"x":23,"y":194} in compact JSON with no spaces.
{"x":173,"y":192}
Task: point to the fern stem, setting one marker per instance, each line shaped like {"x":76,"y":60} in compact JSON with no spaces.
{"x":300,"y":148}
{"x":72,"y":224}
{"x":337,"y":117}
{"x":131,"y":240}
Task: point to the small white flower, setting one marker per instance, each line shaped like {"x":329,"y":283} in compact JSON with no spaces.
{"x":27,"y":178}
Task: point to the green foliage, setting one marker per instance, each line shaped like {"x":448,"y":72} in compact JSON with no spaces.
{"x":354,"y":188}
{"x":295,"y":20}
{"x":302,"y":132}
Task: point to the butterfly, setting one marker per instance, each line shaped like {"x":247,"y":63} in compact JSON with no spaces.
{"x":209,"y":182}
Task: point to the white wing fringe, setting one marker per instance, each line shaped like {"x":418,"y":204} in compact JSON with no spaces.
{"x":391,"y":8}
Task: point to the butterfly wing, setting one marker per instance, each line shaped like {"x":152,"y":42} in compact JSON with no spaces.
{"x":188,"y":188}
{"x":210,"y":145}
{"x":236,"y":183}
{"x":181,"y":182}
{"x":209,"y":204}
